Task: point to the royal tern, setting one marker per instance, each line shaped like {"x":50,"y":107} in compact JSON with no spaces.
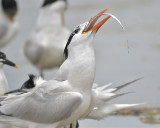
{"x":8,"y":26}
{"x":3,"y":80}
{"x":56,"y":102}
{"x":69,"y":96}
{"x":49,"y":37}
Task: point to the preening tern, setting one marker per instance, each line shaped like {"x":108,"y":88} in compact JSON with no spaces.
{"x":101,"y":95}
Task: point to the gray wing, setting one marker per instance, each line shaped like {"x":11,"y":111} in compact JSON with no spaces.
{"x":3,"y":29}
{"x":42,"y":107}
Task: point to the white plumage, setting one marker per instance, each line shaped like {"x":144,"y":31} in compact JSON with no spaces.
{"x":3,"y":79}
{"x":101,"y":95}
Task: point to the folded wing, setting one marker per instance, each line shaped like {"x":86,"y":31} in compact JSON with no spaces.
{"x":41,"y":106}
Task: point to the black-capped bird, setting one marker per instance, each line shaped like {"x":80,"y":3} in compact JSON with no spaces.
{"x":8,"y":26}
{"x":3,"y":79}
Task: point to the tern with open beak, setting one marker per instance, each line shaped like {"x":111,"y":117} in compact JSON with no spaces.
{"x":68,"y":97}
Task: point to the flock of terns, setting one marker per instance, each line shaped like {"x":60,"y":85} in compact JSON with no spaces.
{"x":72,"y":94}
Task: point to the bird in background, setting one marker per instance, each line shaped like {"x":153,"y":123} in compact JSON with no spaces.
{"x":68,"y":97}
{"x":3,"y":80}
{"x":8,"y":26}
{"x":44,"y":46}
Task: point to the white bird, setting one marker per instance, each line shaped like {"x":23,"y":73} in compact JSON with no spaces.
{"x":45,"y":45}
{"x":60,"y":102}
{"x":69,"y":96}
{"x":8,"y":26}
{"x":3,"y":80}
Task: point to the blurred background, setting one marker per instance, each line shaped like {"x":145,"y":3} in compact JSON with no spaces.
{"x":114,"y":64}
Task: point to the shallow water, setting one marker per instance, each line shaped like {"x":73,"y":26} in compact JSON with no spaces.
{"x":114,"y":64}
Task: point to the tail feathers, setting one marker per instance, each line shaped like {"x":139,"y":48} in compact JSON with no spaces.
{"x":103,"y":87}
{"x":103,"y":98}
{"x":115,"y":96}
{"x":124,"y":85}
{"x":106,"y":110}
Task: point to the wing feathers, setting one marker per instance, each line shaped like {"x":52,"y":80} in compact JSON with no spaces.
{"x":58,"y":106}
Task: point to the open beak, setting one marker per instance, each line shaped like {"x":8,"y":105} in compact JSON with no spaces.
{"x":91,"y":24}
{"x":10,"y":63}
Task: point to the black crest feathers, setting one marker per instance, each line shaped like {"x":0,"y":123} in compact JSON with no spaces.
{"x":76,"y":30}
{"x":29,"y":83}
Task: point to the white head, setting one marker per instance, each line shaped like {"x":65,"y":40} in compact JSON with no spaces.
{"x":85,"y":32}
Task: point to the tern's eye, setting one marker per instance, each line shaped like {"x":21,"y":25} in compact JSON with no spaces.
{"x":76,"y":30}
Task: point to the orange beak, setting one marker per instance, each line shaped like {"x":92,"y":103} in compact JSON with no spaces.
{"x":90,"y":26}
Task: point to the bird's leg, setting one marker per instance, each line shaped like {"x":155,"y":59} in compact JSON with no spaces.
{"x":74,"y":125}
{"x":77,"y":124}
{"x":70,"y":126}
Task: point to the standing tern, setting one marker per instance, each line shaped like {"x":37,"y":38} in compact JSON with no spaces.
{"x":64,"y":100}
{"x":56,"y":102}
{"x":45,"y":45}
{"x":3,"y":80}
{"x":8,"y":26}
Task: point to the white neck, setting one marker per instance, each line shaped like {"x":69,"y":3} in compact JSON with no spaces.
{"x":3,"y":81}
{"x":82,"y":66}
